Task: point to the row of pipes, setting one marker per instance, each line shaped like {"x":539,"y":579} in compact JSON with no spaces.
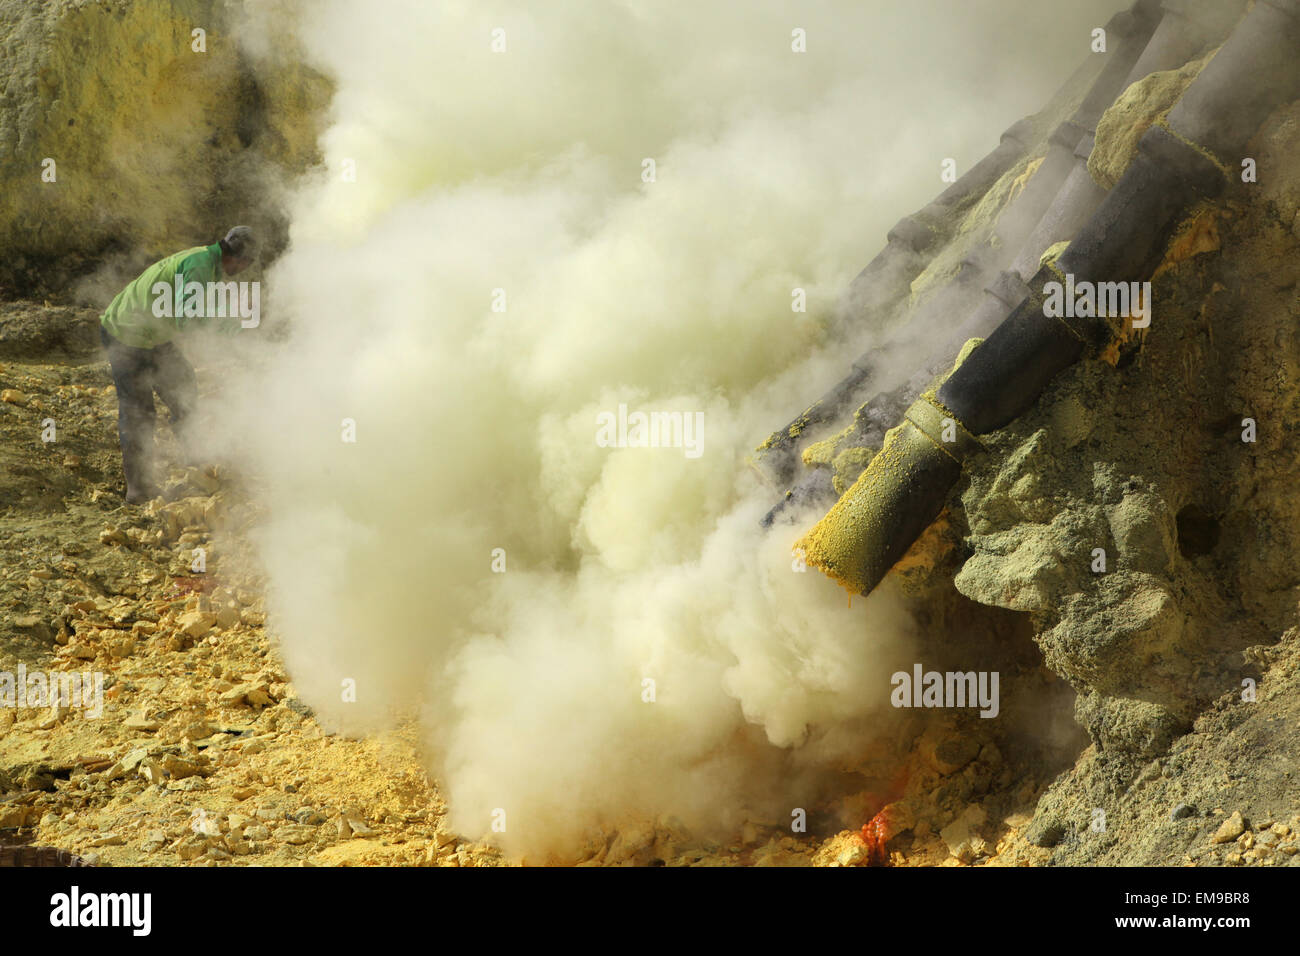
{"x":1114,"y":236}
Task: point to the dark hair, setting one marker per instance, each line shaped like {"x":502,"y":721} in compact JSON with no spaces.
{"x":239,"y":243}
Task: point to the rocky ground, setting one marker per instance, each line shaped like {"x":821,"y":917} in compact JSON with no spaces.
{"x":203,"y":754}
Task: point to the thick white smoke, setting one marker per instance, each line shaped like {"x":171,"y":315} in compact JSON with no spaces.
{"x":522,"y":171}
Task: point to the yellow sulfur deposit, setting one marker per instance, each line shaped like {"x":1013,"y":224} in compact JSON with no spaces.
{"x":1053,"y":252}
{"x":1143,"y":104}
{"x":858,"y":540}
{"x":1198,"y":234}
{"x":1020,"y":182}
{"x":845,"y":463}
{"x":855,"y":543}
{"x":848,"y":465}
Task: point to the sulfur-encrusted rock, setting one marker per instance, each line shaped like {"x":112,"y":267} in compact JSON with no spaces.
{"x":1145,"y":102}
{"x":195,"y":624}
{"x":1230,"y":829}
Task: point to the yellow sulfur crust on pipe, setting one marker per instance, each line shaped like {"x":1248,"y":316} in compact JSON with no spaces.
{"x":899,"y":494}
{"x":856,"y":541}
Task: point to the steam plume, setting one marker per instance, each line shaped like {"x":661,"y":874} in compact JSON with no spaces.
{"x":522,"y":171}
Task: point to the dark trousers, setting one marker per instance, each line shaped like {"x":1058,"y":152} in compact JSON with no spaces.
{"x":137,"y":374}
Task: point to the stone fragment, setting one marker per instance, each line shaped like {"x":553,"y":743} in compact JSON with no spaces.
{"x":142,"y":722}
{"x":195,"y":624}
{"x":121,"y":647}
{"x":961,"y":837}
{"x":178,"y":768}
{"x":253,"y":693}
{"x":192,"y":848}
{"x":38,"y":627}
{"x":359,"y":827}
{"x":133,"y":758}
{"x":1230,"y":829}
{"x":853,"y":855}
{"x":294,"y":834}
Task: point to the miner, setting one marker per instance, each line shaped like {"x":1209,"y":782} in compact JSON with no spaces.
{"x":171,"y":296}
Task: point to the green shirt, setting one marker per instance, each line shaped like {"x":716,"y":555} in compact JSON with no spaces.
{"x":132,"y":317}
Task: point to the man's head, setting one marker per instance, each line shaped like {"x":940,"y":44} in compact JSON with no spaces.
{"x":238,"y":250}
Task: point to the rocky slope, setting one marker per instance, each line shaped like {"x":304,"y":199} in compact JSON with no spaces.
{"x":120,"y":138}
{"x":1149,"y":704}
{"x":1140,"y":519}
